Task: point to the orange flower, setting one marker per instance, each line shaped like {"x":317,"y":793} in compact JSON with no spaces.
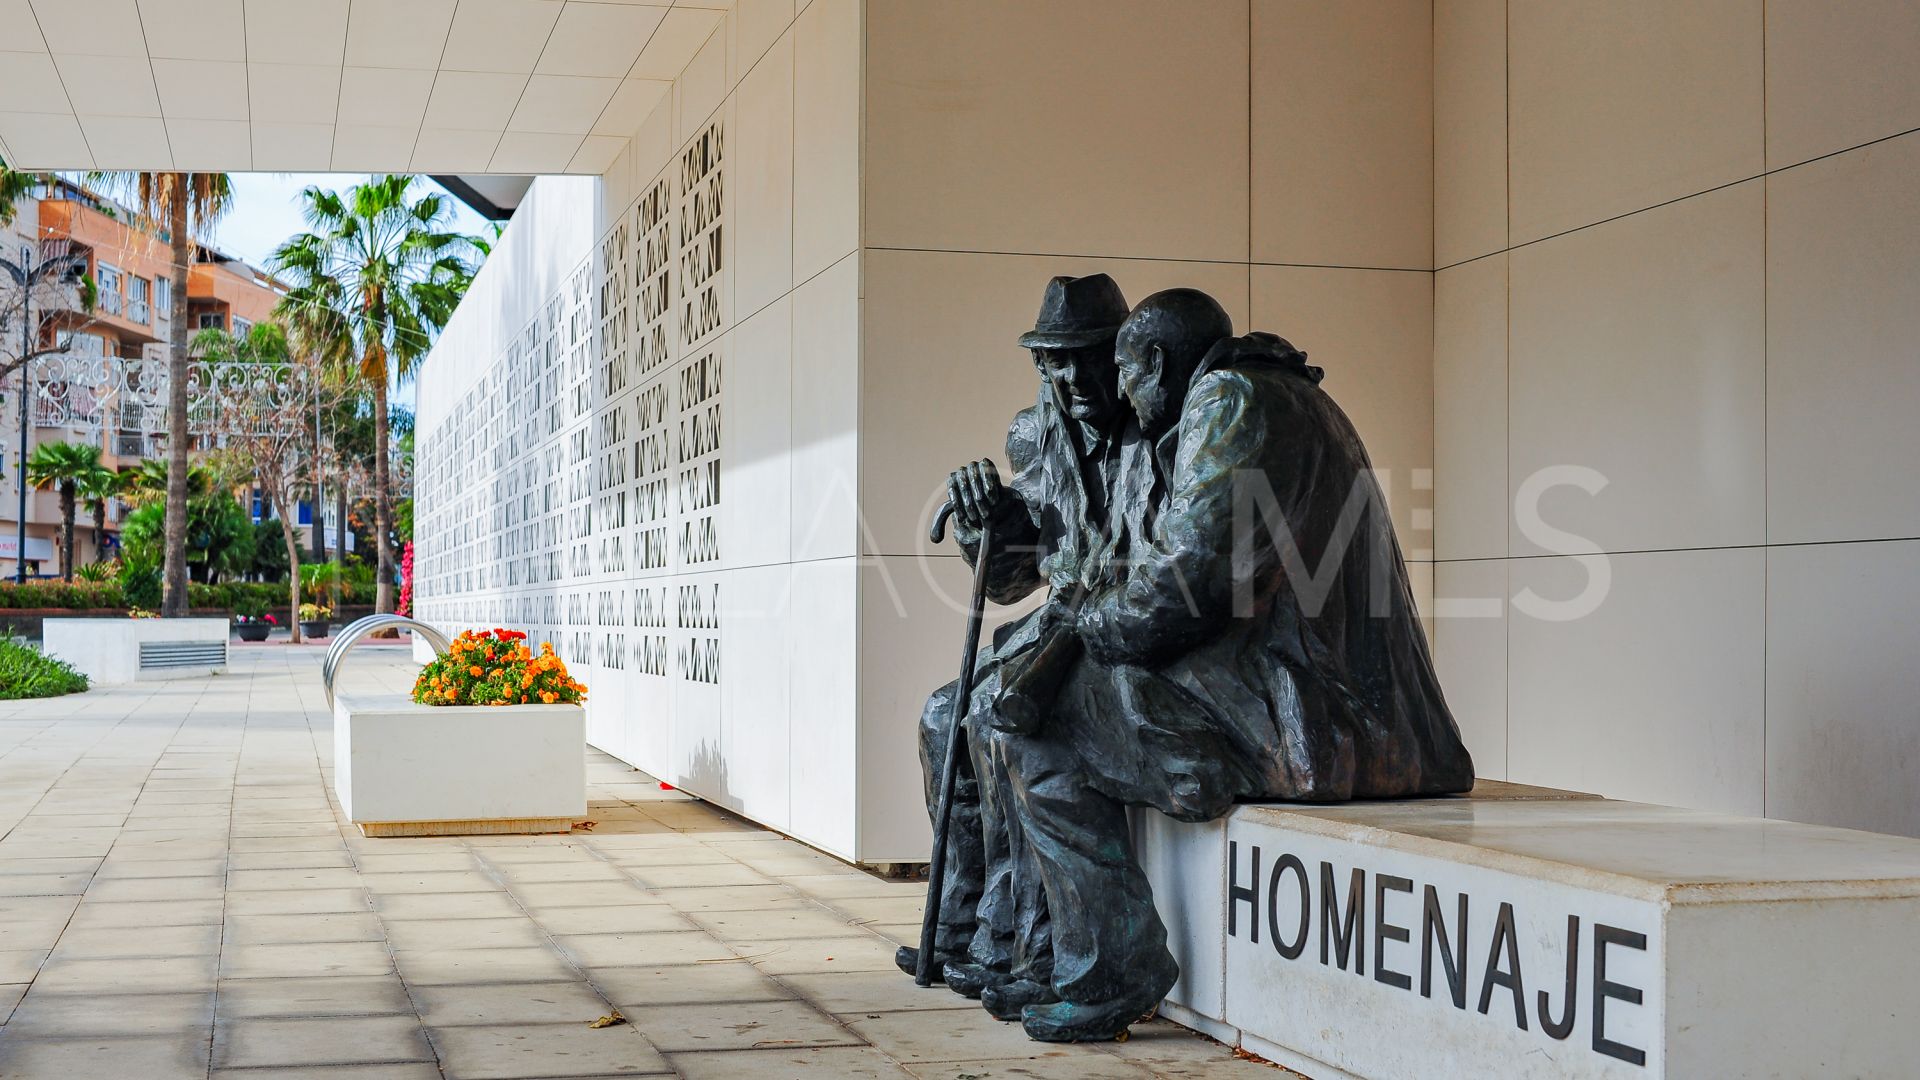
{"x":474,"y":671}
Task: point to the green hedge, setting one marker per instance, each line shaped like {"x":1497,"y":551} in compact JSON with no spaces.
{"x":59,"y":594}
{"x":27,"y":673}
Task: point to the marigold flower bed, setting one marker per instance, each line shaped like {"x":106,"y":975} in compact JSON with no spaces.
{"x":495,"y":667}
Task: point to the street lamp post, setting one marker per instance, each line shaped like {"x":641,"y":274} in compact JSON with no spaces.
{"x":27,"y":276}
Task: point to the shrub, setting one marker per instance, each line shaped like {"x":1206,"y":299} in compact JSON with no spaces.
{"x":140,"y":579}
{"x":59,"y":594}
{"x":27,"y":673}
{"x":495,"y":667}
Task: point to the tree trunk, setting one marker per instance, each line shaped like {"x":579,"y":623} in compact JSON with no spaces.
{"x":339,"y":544}
{"x":319,"y":489}
{"x":293,"y":575}
{"x":382,"y":500}
{"x":100,"y":531}
{"x":173,"y":595}
{"x":67,"y":511}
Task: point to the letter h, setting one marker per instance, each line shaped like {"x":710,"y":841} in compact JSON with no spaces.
{"x":1237,"y":893}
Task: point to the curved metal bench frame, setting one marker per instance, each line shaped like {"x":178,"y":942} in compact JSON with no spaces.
{"x":359,"y":629}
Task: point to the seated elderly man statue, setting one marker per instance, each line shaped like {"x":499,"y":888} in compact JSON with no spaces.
{"x":992,"y":939}
{"x":1261,"y":644}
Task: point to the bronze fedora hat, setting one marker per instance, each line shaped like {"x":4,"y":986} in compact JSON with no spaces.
{"x":1076,"y":312}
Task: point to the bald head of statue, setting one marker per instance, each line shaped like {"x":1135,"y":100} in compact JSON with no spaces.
{"x":1159,"y":348}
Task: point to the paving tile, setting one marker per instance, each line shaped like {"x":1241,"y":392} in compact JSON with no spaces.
{"x":610,"y":919}
{"x":969,"y":1035}
{"x":338,"y":1040}
{"x":299,"y":878}
{"x":296,"y":929}
{"x":289,"y":860}
{"x":10,"y":995}
{"x":544,"y":1050}
{"x":803,"y":1063}
{"x":518,"y":873}
{"x":644,"y":950}
{"x":174,"y":1058}
{"x":447,"y":906}
{"x":305,"y":959}
{"x":418,"y":934}
{"x":340,"y":996}
{"x":737,"y":1026}
{"x":1064,"y":1063}
{"x":158,"y":975}
{"x":577,"y":893}
{"x":798,"y":919}
{"x":409,"y":1071}
{"x":506,"y":1003}
{"x":44,"y":1015}
{"x":21,"y":965}
{"x":49,"y":866}
{"x":451,"y":966}
{"x":145,"y":847}
{"x":861,"y":992}
{"x":687,"y":855}
{"x":114,"y":868}
{"x":856,"y":952}
{"x":288,"y":843}
{"x":416,"y":862}
{"x":640,"y":987}
{"x":725,"y":897}
{"x":157,"y":888}
{"x":44,"y":884}
{"x":557,"y":850}
{"x":880,"y":909}
{"x":674,"y":877}
{"x":298,"y":902}
{"x":437,"y":881}
{"x":139,"y":941}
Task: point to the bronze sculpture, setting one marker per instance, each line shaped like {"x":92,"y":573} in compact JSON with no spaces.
{"x":1243,"y":630}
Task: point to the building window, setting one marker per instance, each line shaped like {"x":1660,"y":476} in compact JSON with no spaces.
{"x":241,"y":326}
{"x":163,"y":298}
{"x":211,"y":320}
{"x":109,"y":284}
{"x":137,"y":299}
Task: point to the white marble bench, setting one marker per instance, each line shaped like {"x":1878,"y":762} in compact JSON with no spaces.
{"x":112,"y":652}
{"x":1524,"y":932}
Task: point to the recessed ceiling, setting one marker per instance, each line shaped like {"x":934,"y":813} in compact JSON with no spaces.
{"x":430,"y":86}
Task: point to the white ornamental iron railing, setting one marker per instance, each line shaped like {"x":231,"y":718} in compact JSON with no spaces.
{"x":129,"y":394}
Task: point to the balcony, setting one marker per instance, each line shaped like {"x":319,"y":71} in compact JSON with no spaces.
{"x":110,"y":302}
{"x":137,"y":311}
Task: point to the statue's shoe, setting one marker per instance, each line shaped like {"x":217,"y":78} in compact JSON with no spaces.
{"x":1006,"y":1002}
{"x":1065,"y":1021}
{"x":971,"y":980}
{"x":907,"y":959}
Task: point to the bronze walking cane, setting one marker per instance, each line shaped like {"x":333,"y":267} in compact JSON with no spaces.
{"x":950,"y":767}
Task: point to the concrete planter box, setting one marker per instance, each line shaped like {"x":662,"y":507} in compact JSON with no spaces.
{"x":404,"y":769}
{"x":114,"y":652}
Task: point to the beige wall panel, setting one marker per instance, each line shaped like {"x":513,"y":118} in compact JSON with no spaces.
{"x":702,"y":86}
{"x":1470,"y":129}
{"x":1470,"y":410}
{"x":1619,"y":106}
{"x":826,"y":413}
{"x":1839,"y":75}
{"x":826,"y":135}
{"x":756,"y":734}
{"x":757,"y":422}
{"x":1656,"y":695}
{"x":1077,"y":127}
{"x":1843,"y":692}
{"x":823,"y":670}
{"x":942,"y":372}
{"x":1372,"y":330}
{"x":1470,"y":653}
{"x":1343,"y":133}
{"x":762,"y":182}
{"x":1843,"y":367}
{"x":756,"y":25}
{"x":1636,"y":350}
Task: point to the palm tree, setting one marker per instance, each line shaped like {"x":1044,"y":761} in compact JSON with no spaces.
{"x":183,"y":204}
{"x":95,"y":487}
{"x":14,"y":186}
{"x":60,"y":466}
{"x":375,"y":278}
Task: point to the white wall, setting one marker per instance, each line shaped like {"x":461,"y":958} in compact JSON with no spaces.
{"x":1691,"y":268}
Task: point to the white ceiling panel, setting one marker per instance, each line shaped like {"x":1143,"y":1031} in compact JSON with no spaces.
{"x":596,"y":153}
{"x":499,"y":35}
{"x":631,"y":104}
{"x":127,"y":142}
{"x":296,"y":31}
{"x":23,"y":30}
{"x":439,"y":150}
{"x":292,"y":147}
{"x":108,"y":85}
{"x":30,"y":82}
{"x":202,"y":89}
{"x":717,"y":5}
{"x":384,"y":97}
{"x":297,"y":93}
{"x":534,"y":152}
{"x":100,"y":27}
{"x":598,"y":39}
{"x":678,"y":38}
{"x":472,"y":100}
{"x":561,"y":104}
{"x":398,"y":33}
{"x":194,"y":29}
{"x":371,"y":149}
{"x":210,"y":145}
{"x":45,"y":141}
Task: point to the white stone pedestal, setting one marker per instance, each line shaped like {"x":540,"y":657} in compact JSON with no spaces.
{"x":403,"y":769}
{"x":112,"y":652}
{"x":1520,"y":932}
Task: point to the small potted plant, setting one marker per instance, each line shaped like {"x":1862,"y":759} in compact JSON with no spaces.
{"x":315,"y":620}
{"x":251,"y":621}
{"x":490,"y":741}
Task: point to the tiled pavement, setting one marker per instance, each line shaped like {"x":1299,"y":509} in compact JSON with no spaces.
{"x":179,"y":898}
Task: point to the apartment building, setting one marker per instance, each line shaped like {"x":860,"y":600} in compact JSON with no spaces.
{"x":128,"y":262}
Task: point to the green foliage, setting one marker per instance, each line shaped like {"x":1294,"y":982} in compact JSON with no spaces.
{"x":269,"y":552}
{"x":27,"y":673}
{"x":220,"y":535}
{"x":355,"y":580}
{"x":98,"y":573}
{"x":59,"y":594}
{"x":140,"y":576}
